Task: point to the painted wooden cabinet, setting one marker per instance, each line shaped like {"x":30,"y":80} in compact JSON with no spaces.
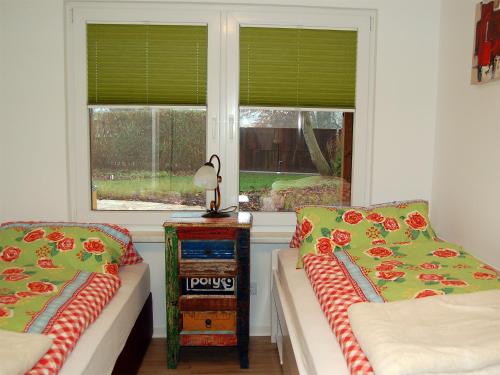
{"x":207,"y":263}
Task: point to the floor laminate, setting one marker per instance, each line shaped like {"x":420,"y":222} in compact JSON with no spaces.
{"x":263,"y":355}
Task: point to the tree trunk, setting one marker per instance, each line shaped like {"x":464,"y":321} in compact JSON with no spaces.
{"x":312,"y":145}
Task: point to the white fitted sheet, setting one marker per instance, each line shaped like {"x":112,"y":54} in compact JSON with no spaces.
{"x":319,"y":349}
{"x":100,"y":345}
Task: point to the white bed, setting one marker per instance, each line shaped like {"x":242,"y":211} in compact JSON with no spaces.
{"x":100,"y":345}
{"x":305,"y":341}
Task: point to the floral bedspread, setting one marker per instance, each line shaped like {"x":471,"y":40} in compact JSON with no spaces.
{"x":57,"y":302}
{"x":416,"y":269}
{"x":31,"y":298}
{"x":389,"y":273}
{"x":40,"y":294}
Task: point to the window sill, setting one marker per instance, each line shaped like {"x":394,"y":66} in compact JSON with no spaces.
{"x":258,"y":235}
{"x":146,"y":234}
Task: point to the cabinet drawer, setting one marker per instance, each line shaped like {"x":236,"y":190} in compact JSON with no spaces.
{"x":208,"y":285}
{"x":208,"y":268}
{"x":208,"y":249}
{"x":206,"y":303}
{"x":206,"y":233}
{"x":201,"y":321}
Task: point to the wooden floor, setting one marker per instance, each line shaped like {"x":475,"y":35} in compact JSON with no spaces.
{"x":263,"y":356}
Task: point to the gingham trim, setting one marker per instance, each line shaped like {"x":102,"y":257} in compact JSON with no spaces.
{"x":131,"y":256}
{"x":85,"y":307}
{"x":335,"y":294}
{"x":296,"y":238}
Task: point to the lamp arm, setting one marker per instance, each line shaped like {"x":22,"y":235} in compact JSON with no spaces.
{"x":215,"y":204}
{"x":218,"y":163}
{"x":217,"y":198}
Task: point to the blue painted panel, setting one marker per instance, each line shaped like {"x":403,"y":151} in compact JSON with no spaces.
{"x":207,"y":249}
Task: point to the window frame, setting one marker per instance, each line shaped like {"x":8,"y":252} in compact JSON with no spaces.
{"x":360,"y":20}
{"x":222,"y":93}
{"x":78,"y":15}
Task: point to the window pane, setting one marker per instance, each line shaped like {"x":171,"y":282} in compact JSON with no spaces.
{"x":145,"y":158}
{"x":290,"y":158}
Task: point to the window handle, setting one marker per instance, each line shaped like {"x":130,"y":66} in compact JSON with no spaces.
{"x":231,"y":127}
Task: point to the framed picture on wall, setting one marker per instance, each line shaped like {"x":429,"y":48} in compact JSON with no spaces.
{"x":486,"y":57}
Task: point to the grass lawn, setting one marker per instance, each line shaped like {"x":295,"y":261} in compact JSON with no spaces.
{"x":251,"y":181}
{"x":144,"y":188}
{"x":139,"y":186}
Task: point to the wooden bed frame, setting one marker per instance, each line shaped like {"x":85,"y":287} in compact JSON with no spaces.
{"x":305,"y":349}
{"x":130,"y":359}
{"x":283,"y":331}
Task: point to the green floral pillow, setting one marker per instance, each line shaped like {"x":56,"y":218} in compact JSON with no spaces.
{"x":86,"y":247}
{"x":327,"y":229}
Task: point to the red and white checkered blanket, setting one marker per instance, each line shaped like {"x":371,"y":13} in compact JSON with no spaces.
{"x":73,"y":318}
{"x":335,"y":294}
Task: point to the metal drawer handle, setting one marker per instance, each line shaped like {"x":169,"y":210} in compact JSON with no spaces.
{"x":208,"y":323}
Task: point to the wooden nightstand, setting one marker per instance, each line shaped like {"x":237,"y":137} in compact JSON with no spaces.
{"x":207,"y":263}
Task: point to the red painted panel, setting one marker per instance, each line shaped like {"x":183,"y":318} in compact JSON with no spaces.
{"x":204,"y":233}
{"x":208,"y":340}
{"x":203,"y":303}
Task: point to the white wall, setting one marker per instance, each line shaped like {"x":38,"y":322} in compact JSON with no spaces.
{"x":466,"y":185}
{"x":32,"y":100}
{"x":33,"y":127}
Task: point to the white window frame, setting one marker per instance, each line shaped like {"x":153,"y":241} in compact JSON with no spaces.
{"x":360,"y":20}
{"x":78,"y":15}
{"x":222,"y":92}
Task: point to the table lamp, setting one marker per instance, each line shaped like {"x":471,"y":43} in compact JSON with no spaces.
{"x":207,"y":178}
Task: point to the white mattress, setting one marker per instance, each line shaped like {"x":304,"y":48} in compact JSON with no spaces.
{"x":317,"y":347}
{"x":98,"y":348}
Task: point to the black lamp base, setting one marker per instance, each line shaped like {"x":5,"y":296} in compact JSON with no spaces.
{"x":215,"y":214}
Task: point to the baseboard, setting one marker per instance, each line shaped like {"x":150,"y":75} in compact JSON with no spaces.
{"x":260,"y":330}
{"x":159,"y":332}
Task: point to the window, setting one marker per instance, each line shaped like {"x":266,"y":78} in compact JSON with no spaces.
{"x":155,"y":89}
{"x":297,"y":155}
{"x":147,"y":115}
{"x":144,"y":158}
{"x":292,"y":157}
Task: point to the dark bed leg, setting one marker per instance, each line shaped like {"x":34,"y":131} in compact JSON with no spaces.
{"x":130,"y":359}
{"x":243,"y":329}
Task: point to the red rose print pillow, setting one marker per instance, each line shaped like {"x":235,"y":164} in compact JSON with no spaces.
{"x":324,"y":230}
{"x":87,"y":247}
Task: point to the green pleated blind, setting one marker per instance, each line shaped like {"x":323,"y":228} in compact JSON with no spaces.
{"x":297,"y":67}
{"x":146,"y":64}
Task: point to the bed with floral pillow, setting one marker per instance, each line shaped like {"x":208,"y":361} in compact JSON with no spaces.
{"x":55,"y":279}
{"x":382,"y":254}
